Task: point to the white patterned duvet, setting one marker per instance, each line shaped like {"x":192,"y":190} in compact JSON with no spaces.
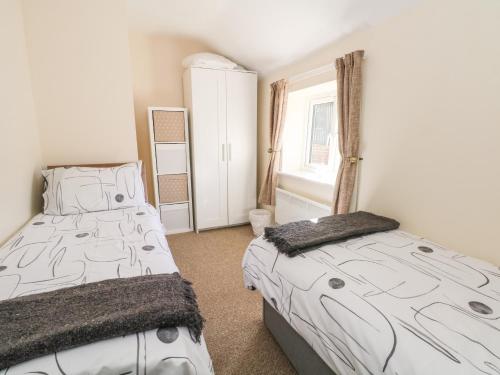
{"x":53,"y":252}
{"x":386,"y":303}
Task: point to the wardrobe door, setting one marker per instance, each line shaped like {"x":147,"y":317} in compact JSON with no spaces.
{"x":241,"y":92}
{"x":209,"y":147}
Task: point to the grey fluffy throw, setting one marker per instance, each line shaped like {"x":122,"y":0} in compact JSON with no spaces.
{"x":294,"y":238}
{"x":40,"y":324}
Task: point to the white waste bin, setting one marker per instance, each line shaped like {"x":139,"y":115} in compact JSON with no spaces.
{"x":259,"y":218}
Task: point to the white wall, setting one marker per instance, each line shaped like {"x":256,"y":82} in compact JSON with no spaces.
{"x":430,"y":120}
{"x":81,"y":77}
{"x":19,"y":145}
{"x":65,"y":94}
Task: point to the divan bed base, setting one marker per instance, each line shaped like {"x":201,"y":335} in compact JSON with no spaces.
{"x":300,"y":354}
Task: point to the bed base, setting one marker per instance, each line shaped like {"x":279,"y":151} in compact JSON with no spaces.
{"x":300,"y":354}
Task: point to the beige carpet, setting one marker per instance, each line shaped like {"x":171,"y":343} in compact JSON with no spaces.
{"x":236,"y":337}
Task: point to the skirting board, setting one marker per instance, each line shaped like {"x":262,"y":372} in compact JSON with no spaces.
{"x":300,"y":354}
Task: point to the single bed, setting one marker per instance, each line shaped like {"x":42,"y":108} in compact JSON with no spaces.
{"x":54,"y":252}
{"x":389,"y":303}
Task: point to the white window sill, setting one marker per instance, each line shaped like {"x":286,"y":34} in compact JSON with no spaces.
{"x":309,"y":176}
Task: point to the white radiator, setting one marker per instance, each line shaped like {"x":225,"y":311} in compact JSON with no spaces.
{"x":292,"y":207}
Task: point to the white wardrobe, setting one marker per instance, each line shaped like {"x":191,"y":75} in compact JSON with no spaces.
{"x":222,"y":107}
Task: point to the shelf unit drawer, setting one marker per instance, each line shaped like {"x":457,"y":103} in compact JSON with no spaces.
{"x":171,"y":158}
{"x":173,"y":188}
{"x":175,"y":217}
{"x":168,"y":126}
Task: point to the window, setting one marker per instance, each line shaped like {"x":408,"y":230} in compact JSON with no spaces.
{"x":320,"y":133}
{"x":310,"y":145}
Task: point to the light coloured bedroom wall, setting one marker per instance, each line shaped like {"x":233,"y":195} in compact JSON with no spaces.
{"x":430,"y":121}
{"x":157,"y":81}
{"x":81,"y":77}
{"x":19,"y":146}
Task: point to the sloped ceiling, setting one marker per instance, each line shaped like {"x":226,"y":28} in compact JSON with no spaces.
{"x":261,"y":34}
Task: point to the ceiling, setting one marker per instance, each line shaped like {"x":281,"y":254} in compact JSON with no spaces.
{"x":261,"y":34}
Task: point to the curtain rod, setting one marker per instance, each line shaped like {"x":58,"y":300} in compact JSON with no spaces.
{"x":313,"y":72}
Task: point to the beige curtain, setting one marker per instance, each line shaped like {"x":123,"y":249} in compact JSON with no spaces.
{"x":348,"y":108}
{"x":279,"y":95}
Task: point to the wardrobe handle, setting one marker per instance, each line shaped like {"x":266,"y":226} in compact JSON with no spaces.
{"x":229,"y":152}
{"x":223,"y":152}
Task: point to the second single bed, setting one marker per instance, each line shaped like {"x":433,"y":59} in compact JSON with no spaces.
{"x":383,"y":303}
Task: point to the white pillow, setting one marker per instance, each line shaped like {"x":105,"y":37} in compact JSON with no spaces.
{"x":75,"y":190}
{"x":208,"y":60}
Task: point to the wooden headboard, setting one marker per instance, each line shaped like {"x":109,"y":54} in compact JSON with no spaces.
{"x":108,"y":165}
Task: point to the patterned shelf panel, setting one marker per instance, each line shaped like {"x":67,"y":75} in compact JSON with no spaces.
{"x":173,"y":188}
{"x":168,"y":126}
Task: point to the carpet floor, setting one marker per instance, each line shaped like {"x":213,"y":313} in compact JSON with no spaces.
{"x":237,"y":339}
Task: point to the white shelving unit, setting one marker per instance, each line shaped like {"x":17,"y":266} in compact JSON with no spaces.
{"x":170,"y":155}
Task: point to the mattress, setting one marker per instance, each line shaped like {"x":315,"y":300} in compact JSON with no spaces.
{"x":53,"y":252}
{"x":389,"y":303}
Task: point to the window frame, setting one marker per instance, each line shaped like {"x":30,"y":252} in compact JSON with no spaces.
{"x":313,"y":167}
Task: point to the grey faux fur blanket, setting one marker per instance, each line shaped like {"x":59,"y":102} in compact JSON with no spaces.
{"x":40,"y":324}
{"x":300,"y":236}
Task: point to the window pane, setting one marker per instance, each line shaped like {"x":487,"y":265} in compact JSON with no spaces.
{"x":321,"y":128}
